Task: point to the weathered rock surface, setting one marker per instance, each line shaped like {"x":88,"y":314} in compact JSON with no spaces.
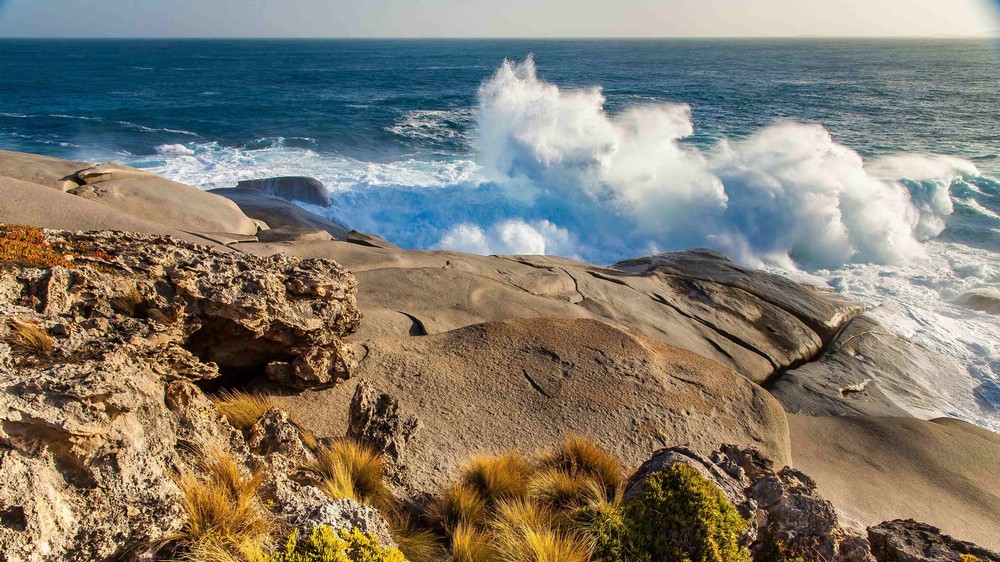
{"x":277,"y":212}
{"x":909,"y":541}
{"x":942,"y":472}
{"x":145,"y":197}
{"x":526,"y":384}
{"x":867,"y":370}
{"x":293,"y":188}
{"x":94,"y":431}
{"x":740,"y":322}
{"x":156,"y":199}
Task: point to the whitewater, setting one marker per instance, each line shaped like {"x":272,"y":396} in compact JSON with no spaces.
{"x":867,"y":167}
{"x":555,"y":173}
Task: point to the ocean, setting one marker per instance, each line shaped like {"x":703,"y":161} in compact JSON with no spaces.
{"x":872,"y":166}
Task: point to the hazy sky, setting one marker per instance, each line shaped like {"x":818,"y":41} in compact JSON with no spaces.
{"x":496,"y":18}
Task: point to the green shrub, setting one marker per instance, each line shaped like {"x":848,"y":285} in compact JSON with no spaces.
{"x":327,"y":545}
{"x":680,"y":516}
{"x":607,"y":528}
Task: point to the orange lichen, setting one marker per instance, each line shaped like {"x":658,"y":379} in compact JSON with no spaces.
{"x":26,"y":246}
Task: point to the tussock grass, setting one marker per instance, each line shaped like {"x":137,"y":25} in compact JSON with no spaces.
{"x":458,"y":506}
{"x":470,"y":544}
{"x":130,"y":304}
{"x":498,"y":478}
{"x":560,"y":490}
{"x":416,"y":543}
{"x":30,"y":338}
{"x":528,"y":532}
{"x":354,"y":471}
{"x":577,"y":456}
{"x":225,"y":519}
{"x":242,"y":409}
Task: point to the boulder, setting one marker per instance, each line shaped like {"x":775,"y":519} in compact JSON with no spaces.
{"x":292,"y":188}
{"x":905,"y":540}
{"x":372,"y":240}
{"x":782,"y":506}
{"x":984,"y":300}
{"x":427,"y":292}
{"x":292,"y":234}
{"x":277,"y":212}
{"x":35,"y":205}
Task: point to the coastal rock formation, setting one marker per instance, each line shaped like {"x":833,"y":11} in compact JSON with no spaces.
{"x":293,"y":188}
{"x":277,"y":212}
{"x":737,"y":318}
{"x":783,"y":506}
{"x":99,"y":403}
{"x":528,"y":383}
{"x":909,"y":541}
{"x":867,"y":370}
{"x":984,"y":300}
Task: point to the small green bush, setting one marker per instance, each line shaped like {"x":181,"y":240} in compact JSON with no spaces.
{"x":681,"y":516}
{"x":608,"y":530}
{"x":327,"y":545}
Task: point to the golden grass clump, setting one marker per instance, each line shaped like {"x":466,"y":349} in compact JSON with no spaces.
{"x":242,"y":409}
{"x":579,"y":456}
{"x":28,"y":337}
{"x":129,"y":304}
{"x":498,"y":478}
{"x":560,"y":490}
{"x":26,"y":246}
{"x":225,"y":521}
{"x":354,"y":471}
{"x":459,"y":505}
{"x":528,"y":532}
{"x":471,"y":544}
{"x":416,"y":543}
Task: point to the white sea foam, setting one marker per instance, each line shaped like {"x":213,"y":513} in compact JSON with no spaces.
{"x":554,"y":173}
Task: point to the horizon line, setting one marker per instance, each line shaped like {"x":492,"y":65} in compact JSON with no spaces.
{"x":995,"y":35}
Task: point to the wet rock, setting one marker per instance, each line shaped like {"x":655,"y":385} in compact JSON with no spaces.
{"x":293,"y":188}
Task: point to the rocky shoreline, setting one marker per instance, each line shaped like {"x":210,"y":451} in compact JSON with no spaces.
{"x":143,"y":301}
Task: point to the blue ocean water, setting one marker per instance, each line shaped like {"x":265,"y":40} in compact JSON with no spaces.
{"x":870,"y":165}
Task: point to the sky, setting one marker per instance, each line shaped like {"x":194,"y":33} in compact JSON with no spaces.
{"x":497,"y":18}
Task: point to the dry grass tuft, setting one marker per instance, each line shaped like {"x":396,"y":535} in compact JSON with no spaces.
{"x":242,"y":409}
{"x":560,"y":490}
{"x":25,"y":246}
{"x":459,"y":505}
{"x":528,"y":532}
{"x":130,"y":304}
{"x":469,"y":544}
{"x":580,"y":456}
{"x":498,"y":478}
{"x":354,"y":471}
{"x":28,"y":337}
{"x":417,"y":544}
{"x":225,"y":519}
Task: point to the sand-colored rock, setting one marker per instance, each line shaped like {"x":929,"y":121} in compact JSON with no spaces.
{"x":525,"y":384}
{"x":985,"y":300}
{"x":50,"y":172}
{"x":942,"y":472}
{"x":867,"y":370}
{"x":277,"y":212}
{"x":406,"y":292}
{"x":293,"y":188}
{"x":153,"y":198}
{"x":32,"y":204}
